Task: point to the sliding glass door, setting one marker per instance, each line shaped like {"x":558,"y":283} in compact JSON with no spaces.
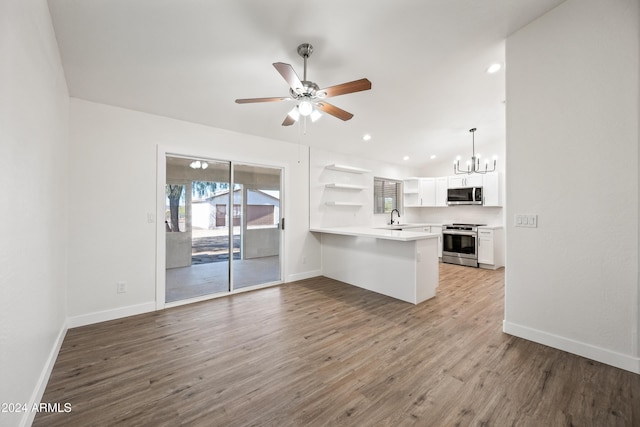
{"x":222,"y":224}
{"x":258,"y":203}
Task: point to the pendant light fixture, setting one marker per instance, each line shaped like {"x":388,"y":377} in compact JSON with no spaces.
{"x":473,"y":165}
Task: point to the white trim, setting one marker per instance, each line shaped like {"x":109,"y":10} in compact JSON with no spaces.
{"x":187,"y":301}
{"x":161,"y":260}
{"x":112,"y":314}
{"x":303,"y":276}
{"x":43,"y":379}
{"x":622,"y":361}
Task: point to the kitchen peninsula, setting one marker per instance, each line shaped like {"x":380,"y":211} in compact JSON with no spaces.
{"x":401,"y":264}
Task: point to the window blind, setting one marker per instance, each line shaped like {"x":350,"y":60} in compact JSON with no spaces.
{"x":386,"y":195}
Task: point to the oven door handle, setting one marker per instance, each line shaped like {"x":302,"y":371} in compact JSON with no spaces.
{"x":460,"y":233}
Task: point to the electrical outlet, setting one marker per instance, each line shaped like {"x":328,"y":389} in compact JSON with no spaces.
{"x":304,"y":259}
{"x":121,"y":287}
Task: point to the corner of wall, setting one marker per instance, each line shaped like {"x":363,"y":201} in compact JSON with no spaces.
{"x":43,"y":378}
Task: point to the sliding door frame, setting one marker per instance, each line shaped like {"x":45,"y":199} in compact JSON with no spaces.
{"x":161,"y":177}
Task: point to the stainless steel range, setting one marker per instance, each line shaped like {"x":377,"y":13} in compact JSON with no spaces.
{"x":460,"y":244}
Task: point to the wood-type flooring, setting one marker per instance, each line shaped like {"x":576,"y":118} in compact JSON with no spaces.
{"x":322,"y":353}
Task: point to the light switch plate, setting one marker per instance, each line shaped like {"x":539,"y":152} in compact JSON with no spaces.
{"x":526,"y":220}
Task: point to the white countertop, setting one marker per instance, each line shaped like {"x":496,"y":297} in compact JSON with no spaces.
{"x":417,"y":225}
{"x":377,"y":233}
{"x":407,"y":226}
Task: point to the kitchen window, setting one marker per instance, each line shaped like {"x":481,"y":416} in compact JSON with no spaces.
{"x":386,"y":195}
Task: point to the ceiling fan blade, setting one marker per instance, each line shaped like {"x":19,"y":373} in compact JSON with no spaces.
{"x":354,"y":86}
{"x":289,"y":75}
{"x":250,"y":100}
{"x":334,"y":111}
{"x":288,"y":121}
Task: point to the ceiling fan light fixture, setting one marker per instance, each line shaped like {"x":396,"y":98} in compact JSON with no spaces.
{"x":294,"y":114}
{"x":305,"y":107}
{"x":315,"y":115}
{"x":308,"y":95}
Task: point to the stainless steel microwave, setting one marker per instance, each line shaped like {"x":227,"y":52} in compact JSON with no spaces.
{"x":464,"y":196}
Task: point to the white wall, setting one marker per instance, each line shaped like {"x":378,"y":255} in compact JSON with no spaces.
{"x":572,"y":153}
{"x":456,"y":214}
{"x":338,"y":216}
{"x":33,"y":159}
{"x":113,"y":180}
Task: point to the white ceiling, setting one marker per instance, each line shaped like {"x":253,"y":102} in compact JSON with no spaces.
{"x":190,"y":59}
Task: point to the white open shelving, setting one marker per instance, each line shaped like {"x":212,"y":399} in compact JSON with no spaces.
{"x":345,"y":186}
{"x":336,"y":188}
{"x":343,"y":204}
{"x":345,"y":168}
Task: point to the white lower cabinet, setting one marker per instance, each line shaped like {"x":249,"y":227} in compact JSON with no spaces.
{"x":485,"y":246}
{"x":490,"y":248}
{"x":435,"y":229}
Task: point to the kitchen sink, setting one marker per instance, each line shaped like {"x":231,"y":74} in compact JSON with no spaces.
{"x":394,"y":227}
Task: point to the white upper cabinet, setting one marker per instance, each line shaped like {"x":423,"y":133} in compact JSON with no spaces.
{"x":432,"y":192}
{"x":420,"y":192}
{"x":411,"y":190}
{"x":442,"y":185}
{"x":491,"y":189}
{"x":461,"y":181}
{"x":427,"y":191}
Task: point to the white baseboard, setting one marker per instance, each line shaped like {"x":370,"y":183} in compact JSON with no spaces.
{"x":622,"y":361}
{"x":302,"y":276}
{"x":116,"y":313}
{"x":43,"y":379}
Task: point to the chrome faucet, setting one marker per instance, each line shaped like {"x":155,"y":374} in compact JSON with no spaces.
{"x":398,"y":212}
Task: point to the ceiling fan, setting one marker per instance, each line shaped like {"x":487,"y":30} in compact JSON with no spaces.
{"x":309,"y":97}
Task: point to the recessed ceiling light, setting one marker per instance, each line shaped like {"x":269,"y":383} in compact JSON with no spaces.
{"x":405,"y":158}
{"x":494,"y":68}
{"x":366,"y":137}
{"x":433,"y":156}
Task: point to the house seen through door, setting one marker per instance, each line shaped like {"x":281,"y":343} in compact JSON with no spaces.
{"x":222,"y":223}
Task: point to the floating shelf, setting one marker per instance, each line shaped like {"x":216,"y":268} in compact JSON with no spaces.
{"x":342,"y":204}
{"x":345,"y":186}
{"x":345,"y":168}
